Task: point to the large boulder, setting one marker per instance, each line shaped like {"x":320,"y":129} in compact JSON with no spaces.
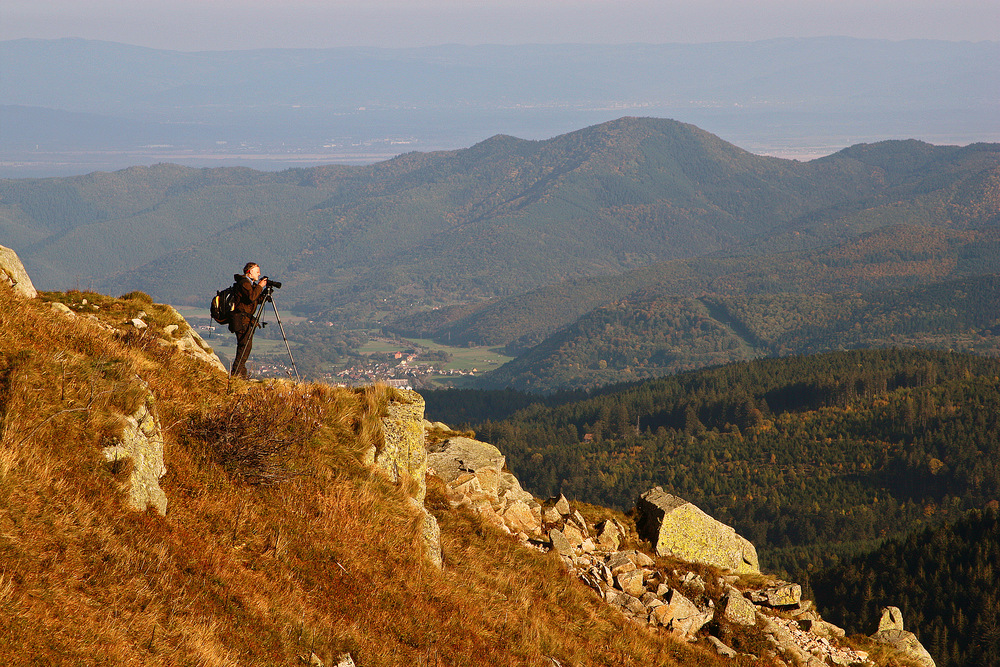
{"x":675,"y":526}
{"x":12,"y":273}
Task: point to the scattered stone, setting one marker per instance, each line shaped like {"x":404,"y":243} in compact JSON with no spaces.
{"x":694,"y":582}
{"x":551,"y":515}
{"x":561,"y":505}
{"x":573,"y":535}
{"x":609,"y":535}
{"x":62,"y":309}
{"x":721,"y":648}
{"x":519,"y":517}
{"x":631,"y":582}
{"x":559,"y":542}
{"x":735,"y":608}
{"x":782,"y":595}
{"x":344,"y":660}
{"x":680,"y":615}
{"x":640,"y":559}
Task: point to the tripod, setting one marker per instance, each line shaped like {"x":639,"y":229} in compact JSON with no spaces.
{"x":268,"y":298}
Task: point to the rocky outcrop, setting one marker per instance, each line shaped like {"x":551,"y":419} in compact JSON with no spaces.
{"x":12,"y":273}
{"x":140,"y":448}
{"x":677,"y":601}
{"x":675,"y":526}
{"x":890,"y":631}
{"x":402,"y":456}
{"x":190,"y":342}
{"x":474,"y":477}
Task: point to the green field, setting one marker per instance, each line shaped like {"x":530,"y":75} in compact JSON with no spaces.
{"x":463,"y":358}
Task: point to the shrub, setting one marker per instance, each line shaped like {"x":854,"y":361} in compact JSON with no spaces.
{"x":250,"y":435}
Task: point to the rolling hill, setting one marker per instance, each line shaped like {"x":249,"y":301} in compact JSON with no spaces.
{"x":497,"y":219}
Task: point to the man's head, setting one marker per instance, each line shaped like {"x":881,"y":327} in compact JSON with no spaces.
{"x":251,"y":271}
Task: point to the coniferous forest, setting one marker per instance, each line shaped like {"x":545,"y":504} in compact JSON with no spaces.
{"x":837,"y":449}
{"x":943,"y":579}
{"x":861,"y":474}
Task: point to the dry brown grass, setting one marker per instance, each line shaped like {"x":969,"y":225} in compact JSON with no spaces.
{"x":326,"y":560}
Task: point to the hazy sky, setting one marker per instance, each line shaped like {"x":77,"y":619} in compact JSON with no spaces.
{"x":242,"y":24}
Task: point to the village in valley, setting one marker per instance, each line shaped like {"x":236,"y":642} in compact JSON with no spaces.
{"x":399,"y":362}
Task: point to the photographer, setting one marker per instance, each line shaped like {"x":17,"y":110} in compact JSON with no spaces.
{"x":250,"y":293}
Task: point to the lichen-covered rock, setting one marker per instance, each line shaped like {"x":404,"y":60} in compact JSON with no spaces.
{"x":677,"y":527}
{"x":460,"y":455}
{"x":890,"y":631}
{"x":430,"y":534}
{"x":403,"y":454}
{"x":891,"y":619}
{"x":780,"y":595}
{"x":403,"y":451}
{"x":12,"y":273}
{"x":735,"y":608}
{"x":141,"y":443}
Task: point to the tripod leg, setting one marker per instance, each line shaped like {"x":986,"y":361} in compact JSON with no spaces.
{"x":287,"y":348}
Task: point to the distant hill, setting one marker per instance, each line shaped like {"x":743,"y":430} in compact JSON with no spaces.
{"x":653,"y":332}
{"x":363,"y":244}
{"x":277,"y":108}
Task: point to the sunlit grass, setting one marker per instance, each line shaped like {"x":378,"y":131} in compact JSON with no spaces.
{"x":323,"y":558}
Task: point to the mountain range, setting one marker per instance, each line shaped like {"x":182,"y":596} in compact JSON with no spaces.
{"x":510,"y":240}
{"x":71,"y":106}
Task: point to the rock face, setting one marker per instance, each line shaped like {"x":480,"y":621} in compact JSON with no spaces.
{"x":141,"y":444}
{"x":890,"y":631}
{"x":675,"y":526}
{"x":460,"y":456}
{"x":474,"y":477}
{"x":403,"y":450}
{"x":191,"y":343}
{"x":12,"y":273}
{"x":403,"y":454}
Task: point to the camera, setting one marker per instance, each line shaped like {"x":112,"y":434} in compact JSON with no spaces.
{"x":271,"y":282}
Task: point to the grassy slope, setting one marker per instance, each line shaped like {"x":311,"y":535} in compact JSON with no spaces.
{"x":325,"y":561}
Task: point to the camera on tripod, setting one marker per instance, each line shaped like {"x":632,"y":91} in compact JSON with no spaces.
{"x":271,"y":284}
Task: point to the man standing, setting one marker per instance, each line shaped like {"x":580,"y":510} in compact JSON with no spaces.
{"x":249,"y":293}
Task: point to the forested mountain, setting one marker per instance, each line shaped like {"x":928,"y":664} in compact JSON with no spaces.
{"x":651,"y":334}
{"x":497,"y":219}
{"x":808,"y":457}
{"x":943,"y":579}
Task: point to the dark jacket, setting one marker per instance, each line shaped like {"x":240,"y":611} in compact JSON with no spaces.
{"x":248,"y":295}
